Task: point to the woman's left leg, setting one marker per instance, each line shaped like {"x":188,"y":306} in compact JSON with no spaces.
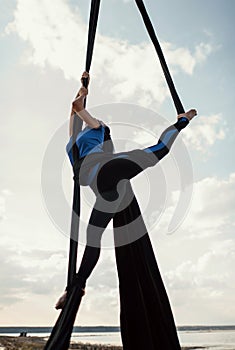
{"x":96,"y":226}
{"x":105,"y":207}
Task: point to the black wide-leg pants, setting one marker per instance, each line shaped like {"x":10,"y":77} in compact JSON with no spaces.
{"x":109,"y":188}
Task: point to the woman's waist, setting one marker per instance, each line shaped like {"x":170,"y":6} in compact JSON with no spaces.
{"x":85,"y":167}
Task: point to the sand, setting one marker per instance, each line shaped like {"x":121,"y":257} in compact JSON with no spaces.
{"x":37,"y":343}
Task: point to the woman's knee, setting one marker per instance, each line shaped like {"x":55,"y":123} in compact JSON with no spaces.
{"x":93,"y":238}
{"x":161,"y":153}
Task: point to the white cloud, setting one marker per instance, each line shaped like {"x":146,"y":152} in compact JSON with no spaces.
{"x":2,"y":208}
{"x":206,"y":284}
{"x":211,"y":212}
{"x":185,"y":59}
{"x":203,"y":50}
{"x":199,"y":263}
{"x":205,"y":131}
{"x":212,"y":208}
{"x":57,"y":36}
{"x":37,"y":277}
{"x":29,"y":272}
{"x":212,"y":270}
{"x":4,"y":194}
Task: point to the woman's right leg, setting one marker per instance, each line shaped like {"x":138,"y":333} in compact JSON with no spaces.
{"x":127,"y":165}
{"x":167,"y":138}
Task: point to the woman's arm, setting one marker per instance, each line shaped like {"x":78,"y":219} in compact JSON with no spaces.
{"x":88,"y":119}
{"x":78,"y":108}
{"x":71,"y":123}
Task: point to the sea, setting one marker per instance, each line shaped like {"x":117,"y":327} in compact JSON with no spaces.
{"x":209,"y":337}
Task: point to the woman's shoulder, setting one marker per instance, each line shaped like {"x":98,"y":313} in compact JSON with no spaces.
{"x":88,"y":132}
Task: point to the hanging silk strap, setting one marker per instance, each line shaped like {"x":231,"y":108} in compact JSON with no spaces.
{"x":77,"y":126}
{"x":178,"y":105}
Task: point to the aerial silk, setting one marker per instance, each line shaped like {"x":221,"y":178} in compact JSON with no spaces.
{"x":146,"y":318}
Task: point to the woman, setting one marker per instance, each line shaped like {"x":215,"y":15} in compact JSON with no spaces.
{"x":98,"y":167}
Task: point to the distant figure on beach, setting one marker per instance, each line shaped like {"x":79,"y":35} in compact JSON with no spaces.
{"x":23,"y":334}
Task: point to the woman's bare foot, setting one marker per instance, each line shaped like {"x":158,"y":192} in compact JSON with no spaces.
{"x":189,"y":115}
{"x":61,"y":302}
{"x":78,"y":103}
{"x":83,"y":92}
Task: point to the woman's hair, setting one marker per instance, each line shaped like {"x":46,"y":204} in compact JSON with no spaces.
{"x":108,"y":145}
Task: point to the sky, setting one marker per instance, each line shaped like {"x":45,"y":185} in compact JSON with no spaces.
{"x":43,"y":47}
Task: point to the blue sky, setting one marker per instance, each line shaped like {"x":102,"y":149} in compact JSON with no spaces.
{"x":42,"y":57}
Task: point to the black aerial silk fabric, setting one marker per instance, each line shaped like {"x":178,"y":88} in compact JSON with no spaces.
{"x":177,"y":102}
{"x":146,"y":318}
{"x":77,"y":126}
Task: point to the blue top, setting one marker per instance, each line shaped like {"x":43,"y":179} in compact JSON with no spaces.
{"x":89,"y":140}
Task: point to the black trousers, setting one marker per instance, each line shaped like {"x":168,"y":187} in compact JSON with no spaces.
{"x":110,"y":191}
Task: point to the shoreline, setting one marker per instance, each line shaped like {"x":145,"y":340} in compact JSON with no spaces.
{"x":37,"y":343}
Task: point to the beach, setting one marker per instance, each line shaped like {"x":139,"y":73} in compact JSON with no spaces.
{"x":37,"y":343}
